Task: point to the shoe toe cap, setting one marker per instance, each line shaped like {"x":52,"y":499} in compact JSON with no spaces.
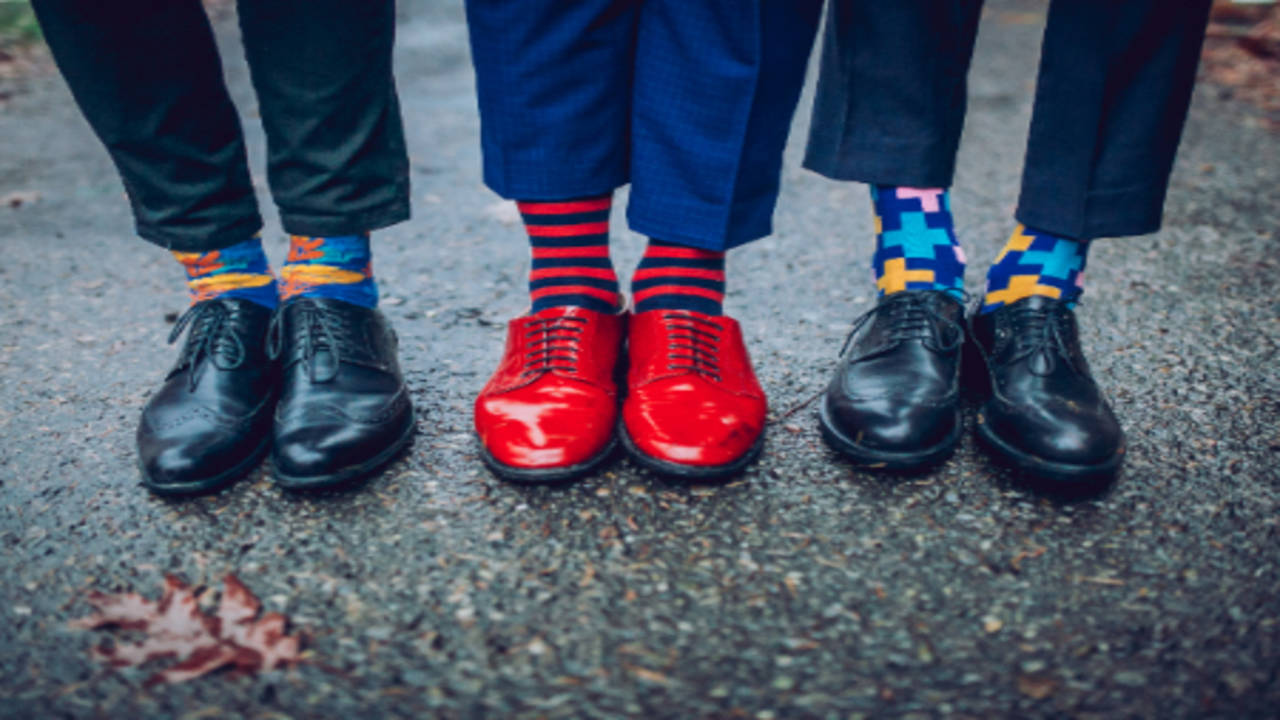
{"x":541,"y":434}
{"x":323,"y":450}
{"x":688,"y":432}
{"x":192,"y":460}
{"x":889,"y":426}
{"x":1062,"y":432}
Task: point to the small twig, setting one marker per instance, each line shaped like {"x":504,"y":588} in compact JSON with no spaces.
{"x":801,"y":406}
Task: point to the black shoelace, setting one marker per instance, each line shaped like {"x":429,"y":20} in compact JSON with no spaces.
{"x":210,"y":338}
{"x":910,"y":316}
{"x":554,"y":344}
{"x":1038,"y":330}
{"x":693,"y":344}
{"x":315,"y":330}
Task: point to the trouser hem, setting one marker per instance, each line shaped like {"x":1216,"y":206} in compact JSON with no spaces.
{"x":202,"y":242}
{"x":349,"y":224}
{"x":1117,"y":213}
{"x":880,"y":163}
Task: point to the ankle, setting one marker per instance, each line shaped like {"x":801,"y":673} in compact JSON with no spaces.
{"x":569,"y":245}
{"x":238,"y":271}
{"x":916,"y":246}
{"x":1036,"y":263}
{"x":677,"y":277}
{"x":336,"y":267}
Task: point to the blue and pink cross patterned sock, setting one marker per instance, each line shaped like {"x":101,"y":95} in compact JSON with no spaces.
{"x":239,"y":271}
{"x":916,"y":246}
{"x":1035,"y":262}
{"x":338,"y":267}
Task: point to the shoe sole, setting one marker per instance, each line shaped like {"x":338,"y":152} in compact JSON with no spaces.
{"x":689,"y":473}
{"x":546,"y":476}
{"x":873,"y":459}
{"x":347,"y":474}
{"x":1050,"y":475}
{"x":208,"y":485}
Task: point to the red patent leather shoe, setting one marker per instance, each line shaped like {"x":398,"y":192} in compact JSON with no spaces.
{"x":548,"y":413}
{"x":694,"y":409}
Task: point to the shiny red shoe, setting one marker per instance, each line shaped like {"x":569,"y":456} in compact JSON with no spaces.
{"x":694,"y":409}
{"x":548,"y":413}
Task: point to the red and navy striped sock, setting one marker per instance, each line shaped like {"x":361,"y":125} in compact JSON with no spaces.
{"x":677,"y":277}
{"x":570,"y":246}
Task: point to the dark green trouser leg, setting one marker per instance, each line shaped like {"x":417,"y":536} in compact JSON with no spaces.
{"x":147,"y":76}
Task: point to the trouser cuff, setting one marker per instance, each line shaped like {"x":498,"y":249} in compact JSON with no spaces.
{"x":1114,"y":213}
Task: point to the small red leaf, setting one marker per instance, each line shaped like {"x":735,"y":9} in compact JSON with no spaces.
{"x":175,"y":627}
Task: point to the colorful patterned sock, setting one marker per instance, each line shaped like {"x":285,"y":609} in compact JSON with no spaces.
{"x":1034,"y":262}
{"x":569,"y":241}
{"x":916,"y":246}
{"x":338,"y":267}
{"x":239,"y":271}
{"x":677,"y":277}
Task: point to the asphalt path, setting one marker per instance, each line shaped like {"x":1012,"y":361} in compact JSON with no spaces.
{"x":804,"y":588}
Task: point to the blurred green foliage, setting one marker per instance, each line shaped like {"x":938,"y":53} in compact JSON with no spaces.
{"x":17,"y":23}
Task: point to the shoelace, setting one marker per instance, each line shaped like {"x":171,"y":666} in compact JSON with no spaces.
{"x":554,"y":345}
{"x":210,"y":338}
{"x":693,"y":344}
{"x":315,"y":330}
{"x":909,"y":316}
{"x":1038,"y":330}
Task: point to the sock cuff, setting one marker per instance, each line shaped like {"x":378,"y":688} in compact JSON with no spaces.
{"x":239,"y":270}
{"x":339,"y":267}
{"x":1035,"y":262}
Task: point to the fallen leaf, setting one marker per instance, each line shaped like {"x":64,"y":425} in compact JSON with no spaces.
{"x":176,"y":627}
{"x":1100,"y":580}
{"x":19,"y":198}
{"x":992,"y":624}
{"x":1016,"y":561}
{"x":1036,"y":687}
{"x":646,"y":674}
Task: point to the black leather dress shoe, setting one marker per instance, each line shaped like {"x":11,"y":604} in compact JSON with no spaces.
{"x":894,"y":401}
{"x":344,"y":410}
{"x":210,"y":422}
{"x":1041,"y":409}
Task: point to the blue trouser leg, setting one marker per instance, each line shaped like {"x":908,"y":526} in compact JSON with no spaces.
{"x":716,"y":86}
{"x":553,"y":80}
{"x":689,"y":101}
{"x":1112,"y":96}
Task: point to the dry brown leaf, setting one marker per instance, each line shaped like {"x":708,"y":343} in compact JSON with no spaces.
{"x":1036,"y":687}
{"x":20,"y":198}
{"x":175,"y":627}
{"x":646,"y":674}
{"x":1016,"y":561}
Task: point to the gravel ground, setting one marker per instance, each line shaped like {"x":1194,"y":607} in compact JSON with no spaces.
{"x":801,"y":589}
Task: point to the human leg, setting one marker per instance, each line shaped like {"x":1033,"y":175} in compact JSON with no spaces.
{"x":553,"y":80}
{"x":147,"y":76}
{"x":715,"y":90}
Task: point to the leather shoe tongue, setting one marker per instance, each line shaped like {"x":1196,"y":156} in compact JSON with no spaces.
{"x":324,"y":365}
{"x":1040,"y":362}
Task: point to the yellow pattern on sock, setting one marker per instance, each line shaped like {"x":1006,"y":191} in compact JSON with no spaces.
{"x":1019,"y":241}
{"x":896,"y":276}
{"x":1021,"y":286}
